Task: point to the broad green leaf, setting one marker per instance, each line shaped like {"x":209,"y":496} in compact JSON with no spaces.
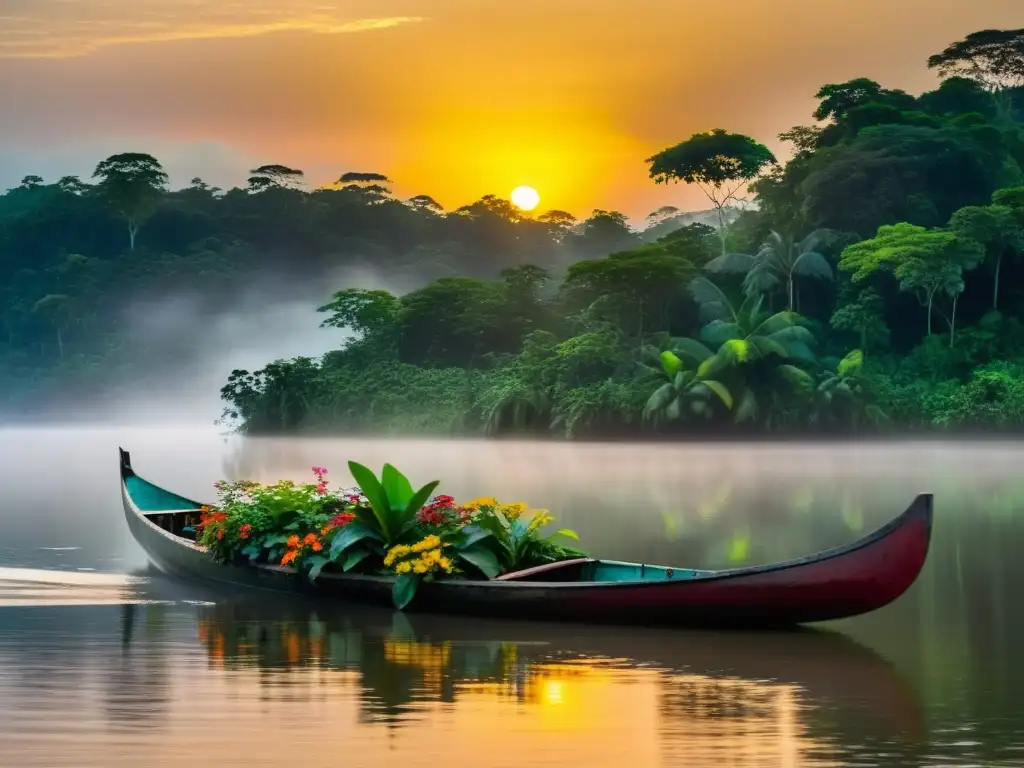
{"x":714,"y":365}
{"x":397,"y":488}
{"x":473,"y":534}
{"x":567,"y":532}
{"x":354,"y":557}
{"x":670,"y":364}
{"x":664,"y":395}
{"x":351,"y":534}
{"x":720,"y":390}
{"x":719,"y":331}
{"x":673,"y":410}
{"x":851,"y":364}
{"x":316,"y":564}
{"x":798,"y":378}
{"x":747,"y":410}
{"x":483,"y":559}
{"x":253,"y":551}
{"x":374,"y":492}
{"x":691,"y":350}
{"x":404,"y":589}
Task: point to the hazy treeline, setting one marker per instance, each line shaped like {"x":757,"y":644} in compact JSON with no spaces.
{"x":873,"y":283}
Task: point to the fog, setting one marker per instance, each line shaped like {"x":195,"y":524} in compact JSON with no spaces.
{"x":198,"y":346}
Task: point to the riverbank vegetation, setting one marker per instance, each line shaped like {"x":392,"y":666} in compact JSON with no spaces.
{"x":872,"y":282}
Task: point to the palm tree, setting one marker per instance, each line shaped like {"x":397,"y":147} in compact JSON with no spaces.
{"x":681,"y":389}
{"x":779,"y":259}
{"x":845,"y":394}
{"x":746,"y":338}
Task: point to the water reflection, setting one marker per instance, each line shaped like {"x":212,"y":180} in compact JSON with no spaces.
{"x":700,"y":695}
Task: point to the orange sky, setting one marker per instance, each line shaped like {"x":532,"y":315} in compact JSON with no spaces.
{"x":453,"y":98}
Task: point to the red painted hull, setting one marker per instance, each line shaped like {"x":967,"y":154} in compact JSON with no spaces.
{"x":842,"y":582}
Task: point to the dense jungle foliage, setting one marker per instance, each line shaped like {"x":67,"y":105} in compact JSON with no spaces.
{"x":873,"y":281}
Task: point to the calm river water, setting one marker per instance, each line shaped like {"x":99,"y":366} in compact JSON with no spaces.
{"x":104,"y":663}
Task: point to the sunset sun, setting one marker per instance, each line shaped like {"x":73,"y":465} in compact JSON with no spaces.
{"x":525,"y":198}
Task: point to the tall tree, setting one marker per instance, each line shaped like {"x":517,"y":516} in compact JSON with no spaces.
{"x":992,"y":57}
{"x":998,"y":228}
{"x":926,"y":262}
{"x":779,"y":259}
{"x":268,"y":176}
{"x":133,"y":183}
{"x":721,"y":164}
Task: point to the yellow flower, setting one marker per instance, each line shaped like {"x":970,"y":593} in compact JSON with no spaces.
{"x":395,"y":553}
{"x":514,"y":510}
{"x":430,"y":542}
{"x":483,"y":501}
{"x":431,"y":556}
{"x":445,"y":564}
{"x":420,"y":566}
{"x":403,"y":567}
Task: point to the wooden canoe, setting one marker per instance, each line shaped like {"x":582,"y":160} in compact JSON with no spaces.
{"x":845,"y":581}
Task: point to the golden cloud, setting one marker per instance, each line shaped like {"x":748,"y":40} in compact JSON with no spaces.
{"x":49,"y":29}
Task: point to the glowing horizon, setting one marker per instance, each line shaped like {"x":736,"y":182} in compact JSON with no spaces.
{"x":446,"y":97}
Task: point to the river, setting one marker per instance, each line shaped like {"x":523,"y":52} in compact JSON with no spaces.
{"x":105,"y":663}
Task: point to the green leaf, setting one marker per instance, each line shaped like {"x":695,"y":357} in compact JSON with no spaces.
{"x":375,"y":494}
{"x":404,"y":589}
{"x":354,"y":557}
{"x":720,"y":390}
{"x":351,"y":534}
{"x":316,"y":564}
{"x":473,"y":534}
{"x":253,"y":551}
{"x":483,"y":559}
{"x":670,"y":364}
{"x":567,"y":532}
{"x":851,"y":364}
{"x":397,"y":488}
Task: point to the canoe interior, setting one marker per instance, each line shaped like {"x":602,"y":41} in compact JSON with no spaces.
{"x":151,"y":498}
{"x":175,"y":514}
{"x":179,"y":515}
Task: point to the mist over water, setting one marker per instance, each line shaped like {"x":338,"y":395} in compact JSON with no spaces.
{"x":933,"y":679}
{"x":192,"y":345}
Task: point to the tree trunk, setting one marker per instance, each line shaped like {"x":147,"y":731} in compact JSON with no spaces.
{"x":789,"y":285}
{"x":931,"y":297}
{"x":133,"y":230}
{"x":995,"y":289}
{"x":721,"y":227}
{"x":952,"y":322}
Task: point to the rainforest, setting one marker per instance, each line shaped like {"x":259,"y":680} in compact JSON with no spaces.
{"x":870,"y":283}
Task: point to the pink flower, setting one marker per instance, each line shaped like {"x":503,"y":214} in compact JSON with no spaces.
{"x":321,"y":488}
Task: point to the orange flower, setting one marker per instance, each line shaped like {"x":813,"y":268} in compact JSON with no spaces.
{"x":326,"y":529}
{"x":243,"y":532}
{"x":310,"y":539}
{"x":293,"y":542}
{"x":289,"y":557}
{"x":317,"y":546}
{"x":220,"y":534}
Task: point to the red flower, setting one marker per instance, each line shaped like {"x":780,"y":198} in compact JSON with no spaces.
{"x":243,"y":532}
{"x":343,"y":519}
